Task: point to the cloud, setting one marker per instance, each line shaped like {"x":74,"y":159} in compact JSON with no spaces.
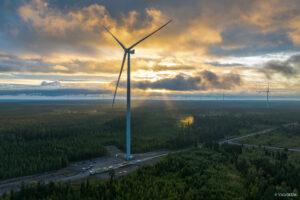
{"x":51,"y":92}
{"x":256,"y":27}
{"x":280,"y":67}
{"x":220,"y":64}
{"x":294,"y":34}
{"x":81,"y":29}
{"x":268,"y":15}
{"x":197,"y":26}
{"x":47,"y":29}
{"x":50,"y":83}
{"x":287,"y":68}
{"x":246,"y":40}
{"x":210,"y":80}
{"x":66,"y":38}
{"x":56,"y":23}
{"x":204,"y":80}
{"x":13,"y":63}
{"x":179,"y":82}
{"x":173,"y":68}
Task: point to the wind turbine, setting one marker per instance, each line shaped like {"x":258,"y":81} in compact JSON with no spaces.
{"x":127,"y":52}
{"x":267,"y":91}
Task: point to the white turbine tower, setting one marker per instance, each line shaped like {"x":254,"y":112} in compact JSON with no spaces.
{"x":127,"y":52}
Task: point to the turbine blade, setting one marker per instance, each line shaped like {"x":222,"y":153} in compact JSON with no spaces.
{"x":120,"y":43}
{"x":141,"y":40}
{"x":122,"y":66}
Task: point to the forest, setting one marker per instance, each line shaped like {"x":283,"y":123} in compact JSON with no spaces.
{"x":285,"y":137}
{"x":42,"y":136}
{"x":210,"y":172}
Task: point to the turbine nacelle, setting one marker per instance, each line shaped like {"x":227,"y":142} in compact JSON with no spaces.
{"x":130,"y":51}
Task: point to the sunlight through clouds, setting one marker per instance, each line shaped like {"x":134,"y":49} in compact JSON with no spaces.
{"x":44,"y":37}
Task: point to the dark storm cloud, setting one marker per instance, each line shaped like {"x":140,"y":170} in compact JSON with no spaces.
{"x":205,"y":80}
{"x":288,"y":68}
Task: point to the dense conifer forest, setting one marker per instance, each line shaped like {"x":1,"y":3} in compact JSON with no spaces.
{"x":37,"y":137}
{"x":207,"y":172}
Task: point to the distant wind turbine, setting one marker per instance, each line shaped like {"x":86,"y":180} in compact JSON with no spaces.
{"x":267,"y":91}
{"x":127,"y":52}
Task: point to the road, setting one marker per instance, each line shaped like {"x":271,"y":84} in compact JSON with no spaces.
{"x":236,"y":140}
{"x":83,"y":169}
{"x":231,"y":140}
{"x":263,"y":146}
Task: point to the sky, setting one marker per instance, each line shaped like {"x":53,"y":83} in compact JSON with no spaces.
{"x":235,"y":47}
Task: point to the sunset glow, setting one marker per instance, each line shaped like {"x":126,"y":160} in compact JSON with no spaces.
{"x":202,"y":51}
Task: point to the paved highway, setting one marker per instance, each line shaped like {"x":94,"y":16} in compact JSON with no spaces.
{"x":81,"y":170}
